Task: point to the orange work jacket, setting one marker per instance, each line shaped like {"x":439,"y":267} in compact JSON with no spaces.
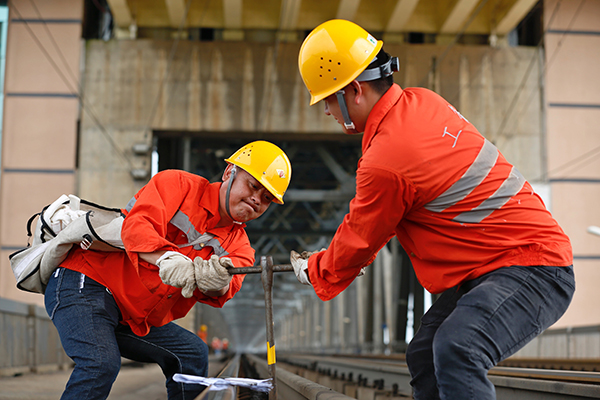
{"x":458,"y":208}
{"x":172,"y":200}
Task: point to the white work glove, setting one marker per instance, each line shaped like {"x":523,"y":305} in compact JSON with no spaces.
{"x":176,"y":269}
{"x":300,"y":267}
{"x":300,"y":264}
{"x":212,"y":274}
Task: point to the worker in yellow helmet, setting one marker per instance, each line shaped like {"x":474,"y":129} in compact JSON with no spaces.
{"x":473,"y":227}
{"x":181,"y":234}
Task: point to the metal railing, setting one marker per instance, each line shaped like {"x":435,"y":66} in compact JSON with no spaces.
{"x":29,"y":341}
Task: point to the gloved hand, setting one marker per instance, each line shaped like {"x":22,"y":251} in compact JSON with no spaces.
{"x":212,"y":274}
{"x":176,"y":269}
{"x":300,"y":264}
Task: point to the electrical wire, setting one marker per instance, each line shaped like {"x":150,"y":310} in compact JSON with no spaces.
{"x":546,"y":66}
{"x":584,"y":158}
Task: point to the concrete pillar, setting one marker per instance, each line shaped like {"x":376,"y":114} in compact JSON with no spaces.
{"x":340,"y":316}
{"x":377,"y":310}
{"x":360,"y":300}
{"x":317,"y":325}
{"x":306,"y":327}
{"x":388,"y":286}
{"x":327,"y":342}
{"x":351,"y":318}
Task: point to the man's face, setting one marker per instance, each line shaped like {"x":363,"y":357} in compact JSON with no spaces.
{"x":332,"y":108}
{"x":248,"y":198}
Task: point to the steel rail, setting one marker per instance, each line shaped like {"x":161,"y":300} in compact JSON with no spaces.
{"x":572,"y":364}
{"x":294,"y":387}
{"x":231,"y":370}
{"x":510,"y":383}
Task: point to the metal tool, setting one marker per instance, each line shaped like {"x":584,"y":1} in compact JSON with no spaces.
{"x":266,"y":270}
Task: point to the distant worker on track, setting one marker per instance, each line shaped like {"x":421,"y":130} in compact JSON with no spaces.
{"x":472,"y":226}
{"x":181,"y":233}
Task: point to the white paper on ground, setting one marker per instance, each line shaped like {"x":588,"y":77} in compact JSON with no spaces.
{"x":260,"y":385}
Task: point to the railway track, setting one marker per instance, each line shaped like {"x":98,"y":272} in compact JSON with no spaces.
{"x":308,"y":376}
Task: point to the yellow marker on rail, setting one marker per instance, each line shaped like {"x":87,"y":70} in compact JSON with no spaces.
{"x":270,"y":354}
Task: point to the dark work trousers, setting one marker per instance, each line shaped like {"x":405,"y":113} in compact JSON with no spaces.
{"x":471,"y":328}
{"x":87,"y":319}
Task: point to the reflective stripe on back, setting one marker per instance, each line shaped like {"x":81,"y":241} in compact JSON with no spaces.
{"x":509,"y":188}
{"x":477,"y":172}
{"x":195,"y":238}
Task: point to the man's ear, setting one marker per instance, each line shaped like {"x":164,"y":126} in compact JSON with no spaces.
{"x":227,"y":172}
{"x":356,"y":88}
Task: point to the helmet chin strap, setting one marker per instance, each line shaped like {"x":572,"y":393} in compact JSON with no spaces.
{"x":231,"y":178}
{"x":348,"y":124}
{"x":385,"y":70}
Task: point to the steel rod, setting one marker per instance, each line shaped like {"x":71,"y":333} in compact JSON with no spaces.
{"x":258,"y":270}
{"x":266,"y":263}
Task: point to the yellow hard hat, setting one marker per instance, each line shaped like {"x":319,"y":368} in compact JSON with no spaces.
{"x":268,"y":164}
{"x":333,"y":55}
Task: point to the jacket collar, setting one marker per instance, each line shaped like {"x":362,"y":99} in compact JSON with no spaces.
{"x":379,"y":111}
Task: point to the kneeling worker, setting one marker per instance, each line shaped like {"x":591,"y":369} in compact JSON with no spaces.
{"x":473,"y":227}
{"x":181,"y":233}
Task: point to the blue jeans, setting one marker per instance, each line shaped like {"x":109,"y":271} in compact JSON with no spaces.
{"x":470,"y":329}
{"x":87,"y":318}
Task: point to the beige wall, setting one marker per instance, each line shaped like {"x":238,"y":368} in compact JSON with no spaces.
{"x":573,"y":110}
{"x":40,"y":120}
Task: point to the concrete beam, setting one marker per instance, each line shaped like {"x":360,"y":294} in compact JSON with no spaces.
{"x":457,"y":17}
{"x":176,"y":11}
{"x":120,"y":12}
{"x":232,"y":13}
{"x":515,"y":14}
{"x":347,"y":9}
{"x":401,"y":14}
{"x":288,"y":18}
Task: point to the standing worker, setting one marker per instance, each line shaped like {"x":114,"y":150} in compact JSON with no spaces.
{"x":181,"y":233}
{"x":472,"y":226}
